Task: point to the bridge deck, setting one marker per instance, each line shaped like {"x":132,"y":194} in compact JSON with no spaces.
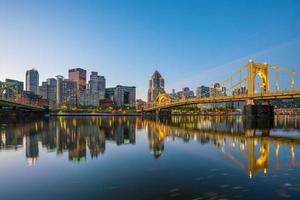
{"x":5,"y":102}
{"x":293,"y":94}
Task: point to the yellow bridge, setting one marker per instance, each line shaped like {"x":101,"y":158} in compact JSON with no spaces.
{"x":243,"y":80}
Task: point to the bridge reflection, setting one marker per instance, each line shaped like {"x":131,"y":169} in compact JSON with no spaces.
{"x":254,"y":146}
{"x":246,"y":143}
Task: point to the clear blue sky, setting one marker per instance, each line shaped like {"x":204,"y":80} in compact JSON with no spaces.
{"x":190,"y":42}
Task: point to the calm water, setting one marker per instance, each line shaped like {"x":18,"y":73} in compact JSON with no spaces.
{"x":134,"y":158}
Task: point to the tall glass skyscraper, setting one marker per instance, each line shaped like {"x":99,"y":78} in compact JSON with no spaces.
{"x":156,"y":86}
{"x":32,"y":81}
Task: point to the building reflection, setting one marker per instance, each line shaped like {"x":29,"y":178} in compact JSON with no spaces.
{"x":249,"y":144}
{"x":32,"y":148}
{"x":245,"y":142}
{"x":76,"y":136}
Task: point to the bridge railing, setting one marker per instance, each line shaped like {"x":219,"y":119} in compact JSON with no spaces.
{"x":240,"y":97}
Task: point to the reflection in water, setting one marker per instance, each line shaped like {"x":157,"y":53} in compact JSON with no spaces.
{"x":231,"y":135}
{"x":245,"y":142}
{"x":68,"y":134}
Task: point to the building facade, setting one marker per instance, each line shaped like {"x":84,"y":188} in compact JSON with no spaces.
{"x":156,"y":86}
{"x":217,"y":90}
{"x":240,"y":91}
{"x":78,"y":75}
{"x":124,"y":95}
{"x":48,"y":91}
{"x":110,"y":93}
{"x":32,"y":81}
{"x":185,"y":93}
{"x":97,"y":84}
{"x":66,"y":91}
{"x":202,"y":91}
{"x":89,"y":98}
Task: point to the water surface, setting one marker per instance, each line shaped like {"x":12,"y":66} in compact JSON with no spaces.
{"x":134,"y":158}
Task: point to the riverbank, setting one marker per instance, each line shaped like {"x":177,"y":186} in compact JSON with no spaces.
{"x":94,"y":114}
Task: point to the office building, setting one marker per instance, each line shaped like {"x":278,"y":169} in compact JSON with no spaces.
{"x":32,"y":81}
{"x":66,"y":91}
{"x":173,"y":95}
{"x":202,"y":91}
{"x":48,"y":91}
{"x":109,"y":93}
{"x":78,"y":75}
{"x":156,"y":86}
{"x":97,"y":84}
{"x":185,"y":93}
{"x":89,"y":98}
{"x":240,"y":91}
{"x":121,"y":95}
{"x":124,"y":95}
{"x":217,"y":90}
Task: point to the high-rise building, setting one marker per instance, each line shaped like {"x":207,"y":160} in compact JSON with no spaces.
{"x":89,"y":98}
{"x":66,"y":91}
{"x":43,"y":90}
{"x":48,"y":91}
{"x":173,"y":95}
{"x":156,"y":86}
{"x":97,"y":84}
{"x":79,"y":76}
{"x":32,"y":81}
{"x":240,"y":91}
{"x":101,"y":87}
{"x":109,"y":93}
{"x":217,"y":90}
{"x":202,"y":91}
{"x":185,"y":93}
{"x":19,"y":87}
{"x":121,"y":95}
{"x":124,"y":95}
{"x":59,"y":92}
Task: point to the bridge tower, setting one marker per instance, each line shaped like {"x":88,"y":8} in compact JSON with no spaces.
{"x":250,"y":109}
{"x":262,"y":70}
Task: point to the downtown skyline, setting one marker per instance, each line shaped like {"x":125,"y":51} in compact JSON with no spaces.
{"x":184,"y":42}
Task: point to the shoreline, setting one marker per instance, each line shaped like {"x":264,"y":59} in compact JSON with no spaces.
{"x":140,"y":114}
{"x":95,"y":114}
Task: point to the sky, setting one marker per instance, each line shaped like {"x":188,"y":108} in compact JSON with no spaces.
{"x":190,"y":42}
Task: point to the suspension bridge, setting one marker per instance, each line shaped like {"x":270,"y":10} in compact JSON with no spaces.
{"x":239,"y":87}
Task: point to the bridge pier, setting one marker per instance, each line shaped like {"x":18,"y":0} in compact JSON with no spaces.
{"x":158,"y":114}
{"x":264,"y":110}
{"x":163,"y":114}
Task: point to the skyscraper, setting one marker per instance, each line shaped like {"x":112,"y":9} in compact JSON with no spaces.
{"x":97,"y":84}
{"x":48,"y":91}
{"x":156,"y":86}
{"x":202,"y":91}
{"x":66,"y":91}
{"x":79,"y":76}
{"x":32,"y":80}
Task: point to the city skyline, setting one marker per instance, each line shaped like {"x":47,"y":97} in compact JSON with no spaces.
{"x":149,"y":99}
{"x":55,"y":36}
